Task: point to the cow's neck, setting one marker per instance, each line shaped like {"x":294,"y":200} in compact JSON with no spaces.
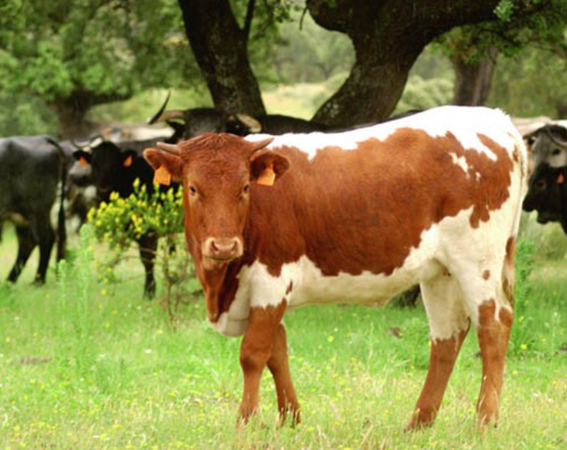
{"x":219,"y":285}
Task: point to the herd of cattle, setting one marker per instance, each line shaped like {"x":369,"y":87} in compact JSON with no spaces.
{"x":337,"y":216}
{"x":36,"y":171}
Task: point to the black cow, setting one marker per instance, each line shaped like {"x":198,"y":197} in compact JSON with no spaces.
{"x":31,"y":170}
{"x":112,"y":169}
{"x":546,"y":191}
{"x":197,"y":121}
{"x":547,"y":194}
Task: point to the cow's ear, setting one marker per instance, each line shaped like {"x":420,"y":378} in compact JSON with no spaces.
{"x":267,"y":166}
{"x":128,"y":158}
{"x":530,"y":138}
{"x":82,"y":157}
{"x":167,"y":166}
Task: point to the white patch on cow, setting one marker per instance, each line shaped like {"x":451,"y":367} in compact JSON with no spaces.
{"x":228,"y":326}
{"x":465,"y":123}
{"x":557,"y":160}
{"x":461,"y":162}
{"x":444,"y":305}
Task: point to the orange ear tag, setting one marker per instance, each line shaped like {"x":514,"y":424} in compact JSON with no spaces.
{"x":162,"y":176}
{"x":268,"y":176}
{"x":83,"y":161}
{"x":127,"y":162}
{"x":560,"y":178}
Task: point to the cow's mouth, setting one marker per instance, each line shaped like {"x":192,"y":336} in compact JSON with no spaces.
{"x":544,"y":218}
{"x":211,"y":263}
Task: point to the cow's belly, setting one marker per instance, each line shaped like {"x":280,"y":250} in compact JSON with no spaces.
{"x":366,"y":288}
{"x":302,"y":283}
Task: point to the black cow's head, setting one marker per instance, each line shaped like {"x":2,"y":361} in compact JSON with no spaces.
{"x":549,"y":145}
{"x":106,"y":162}
{"x":546,"y":193}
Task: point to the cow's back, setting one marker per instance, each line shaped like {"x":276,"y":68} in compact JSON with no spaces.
{"x":368,"y":213}
{"x":31,"y":169}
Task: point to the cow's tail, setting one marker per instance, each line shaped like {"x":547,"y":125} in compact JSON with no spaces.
{"x":61,"y":229}
{"x":520,"y":159}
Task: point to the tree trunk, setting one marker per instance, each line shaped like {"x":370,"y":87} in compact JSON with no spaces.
{"x":220,"y":48}
{"x":388,"y":37}
{"x":561,"y":109}
{"x":72,"y":111}
{"x":373,"y":88}
{"x":473,"y":80}
{"x":71,"y":116}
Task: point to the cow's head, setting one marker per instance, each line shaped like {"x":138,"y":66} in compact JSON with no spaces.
{"x":217,"y":171}
{"x":545,"y":193}
{"x":549,"y":145}
{"x":105,"y":161}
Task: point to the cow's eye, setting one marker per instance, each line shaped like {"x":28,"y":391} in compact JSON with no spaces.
{"x":540,"y":185}
{"x":555,"y":152}
{"x":192,"y":191}
{"x":246,"y":189}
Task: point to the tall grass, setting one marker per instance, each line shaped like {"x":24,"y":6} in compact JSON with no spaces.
{"x":87,"y":367}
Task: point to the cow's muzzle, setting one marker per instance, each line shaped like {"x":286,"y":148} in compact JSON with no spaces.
{"x":545,"y":217}
{"x":222,"y":250}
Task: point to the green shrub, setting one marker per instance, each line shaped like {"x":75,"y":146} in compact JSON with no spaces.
{"x":123,"y":220}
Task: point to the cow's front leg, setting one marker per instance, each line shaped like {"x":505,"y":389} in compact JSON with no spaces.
{"x":255,"y":351}
{"x":279,"y":366}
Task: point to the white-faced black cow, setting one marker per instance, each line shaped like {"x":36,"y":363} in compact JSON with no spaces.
{"x":31,"y":170}
{"x":547,"y":191}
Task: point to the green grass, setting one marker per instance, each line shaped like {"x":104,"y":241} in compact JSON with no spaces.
{"x":88,"y":366}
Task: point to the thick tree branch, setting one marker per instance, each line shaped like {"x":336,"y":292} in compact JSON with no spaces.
{"x":388,"y":36}
{"x":210,"y":25}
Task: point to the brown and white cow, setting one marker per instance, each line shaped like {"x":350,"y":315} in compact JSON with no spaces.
{"x":274,"y":223}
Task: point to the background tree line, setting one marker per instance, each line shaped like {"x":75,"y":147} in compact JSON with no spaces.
{"x":61,"y":60}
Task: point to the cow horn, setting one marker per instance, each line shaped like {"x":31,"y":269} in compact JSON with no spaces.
{"x":252,"y":124}
{"x":80,"y":145}
{"x":554,"y":136}
{"x":259,"y":145}
{"x":169,"y":148}
{"x":160,"y":111}
{"x":162,"y":115}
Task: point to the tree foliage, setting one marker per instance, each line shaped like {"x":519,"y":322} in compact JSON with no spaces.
{"x":75,"y":54}
{"x":532,"y":83}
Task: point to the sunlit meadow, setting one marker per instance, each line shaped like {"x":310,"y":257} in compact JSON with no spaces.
{"x":86,"y":365}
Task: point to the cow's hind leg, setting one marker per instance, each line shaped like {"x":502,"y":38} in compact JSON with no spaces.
{"x":148,"y":244}
{"x":489,"y":296}
{"x":41,"y":226}
{"x":256,"y":351}
{"x":449,"y":324}
{"x":279,"y":367}
{"x":26,"y":244}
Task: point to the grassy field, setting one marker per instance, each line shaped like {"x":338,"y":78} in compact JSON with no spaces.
{"x":90,"y":366}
